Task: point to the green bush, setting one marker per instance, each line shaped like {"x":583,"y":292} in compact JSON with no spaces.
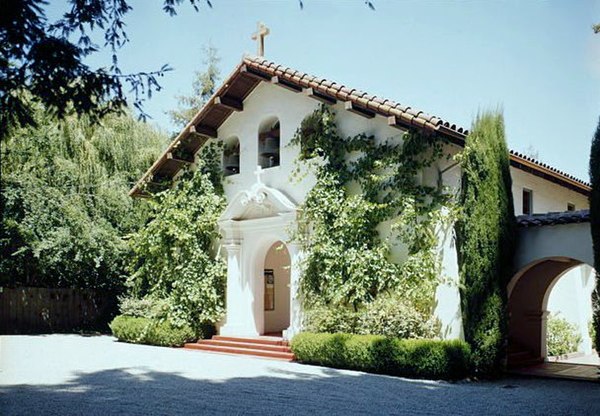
{"x":147,"y":307}
{"x":433,"y":359}
{"x":150,"y":331}
{"x":562,"y":336}
{"x":389,"y":315}
{"x":329,"y":319}
{"x":394,"y":316}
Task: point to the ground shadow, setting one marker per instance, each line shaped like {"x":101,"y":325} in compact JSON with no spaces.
{"x":137,"y":390}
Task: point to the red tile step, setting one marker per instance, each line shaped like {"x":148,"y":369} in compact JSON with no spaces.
{"x":266,"y":347}
{"x":266,"y":340}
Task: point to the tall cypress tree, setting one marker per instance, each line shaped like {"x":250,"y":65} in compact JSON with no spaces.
{"x":595,"y":226}
{"x":485,"y":240}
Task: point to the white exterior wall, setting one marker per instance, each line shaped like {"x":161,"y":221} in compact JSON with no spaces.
{"x":567,"y":299}
{"x":547,"y":196}
{"x":291,"y":108}
{"x":571,"y":296}
{"x":266,"y":101}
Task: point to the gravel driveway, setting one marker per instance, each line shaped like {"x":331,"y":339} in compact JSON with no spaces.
{"x":71,"y":374}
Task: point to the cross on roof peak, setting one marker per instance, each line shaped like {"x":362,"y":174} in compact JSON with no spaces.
{"x":259,"y":36}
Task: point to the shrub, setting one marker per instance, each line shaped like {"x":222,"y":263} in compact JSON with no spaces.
{"x":389,"y":315}
{"x":562,"y":336}
{"x":148,"y":307}
{"x":394,"y":316}
{"x":323,"y":318}
{"x":150,"y":331}
{"x":485,"y":241}
{"x":433,"y":359}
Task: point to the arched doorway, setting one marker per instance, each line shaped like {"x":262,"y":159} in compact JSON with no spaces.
{"x":276,"y":284}
{"x":528,"y":296}
{"x":253,"y":226}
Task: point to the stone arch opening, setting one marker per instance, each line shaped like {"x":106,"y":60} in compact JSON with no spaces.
{"x":269,"y":140}
{"x":528,"y":295}
{"x":276,"y":288}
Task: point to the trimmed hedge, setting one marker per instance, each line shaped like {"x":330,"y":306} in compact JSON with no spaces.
{"x":149,"y":331}
{"x":417,"y":358}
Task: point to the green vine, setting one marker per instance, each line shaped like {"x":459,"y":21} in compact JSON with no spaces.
{"x":347,"y":262}
{"x":174,"y":255}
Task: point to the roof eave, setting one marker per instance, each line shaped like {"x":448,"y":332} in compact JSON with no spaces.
{"x":398,"y":116}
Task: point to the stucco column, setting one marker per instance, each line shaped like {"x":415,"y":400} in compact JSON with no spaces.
{"x":584,"y":307}
{"x":296,"y":256}
{"x":447,"y":295}
{"x":543,"y":324}
{"x":238,"y":306}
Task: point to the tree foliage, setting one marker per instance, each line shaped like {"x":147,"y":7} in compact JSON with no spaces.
{"x":174,"y":255}
{"x":47,"y":59}
{"x":485,"y":240}
{"x":203,"y":88}
{"x":594,"y":171}
{"x":65,"y":209}
{"x":563,"y":336}
{"x":347,"y":263}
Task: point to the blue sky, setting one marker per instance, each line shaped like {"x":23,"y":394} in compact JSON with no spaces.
{"x":539,"y":61}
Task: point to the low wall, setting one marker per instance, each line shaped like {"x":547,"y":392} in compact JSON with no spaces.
{"x":43,"y":310}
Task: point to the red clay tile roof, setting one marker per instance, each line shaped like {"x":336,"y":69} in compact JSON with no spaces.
{"x":553,"y":218}
{"x":253,"y":70}
{"x":521,"y":158}
{"x":406,"y":115}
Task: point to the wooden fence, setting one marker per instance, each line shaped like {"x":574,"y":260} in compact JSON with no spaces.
{"x":43,"y":310}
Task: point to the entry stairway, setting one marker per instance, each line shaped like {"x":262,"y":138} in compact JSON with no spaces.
{"x":263,"y":346}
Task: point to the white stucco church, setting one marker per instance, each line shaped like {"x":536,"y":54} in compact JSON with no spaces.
{"x":255,"y":113}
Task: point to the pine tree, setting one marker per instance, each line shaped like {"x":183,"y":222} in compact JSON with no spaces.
{"x":595,"y":225}
{"x":485,"y":241}
{"x":203,"y":88}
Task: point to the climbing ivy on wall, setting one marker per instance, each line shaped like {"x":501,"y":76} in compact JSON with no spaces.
{"x":174,"y":255}
{"x":347,"y":262}
{"x":595,"y":226}
{"x":485,"y":240}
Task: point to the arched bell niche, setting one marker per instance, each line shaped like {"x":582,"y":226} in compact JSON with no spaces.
{"x":231,"y":156}
{"x":269,"y":143}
